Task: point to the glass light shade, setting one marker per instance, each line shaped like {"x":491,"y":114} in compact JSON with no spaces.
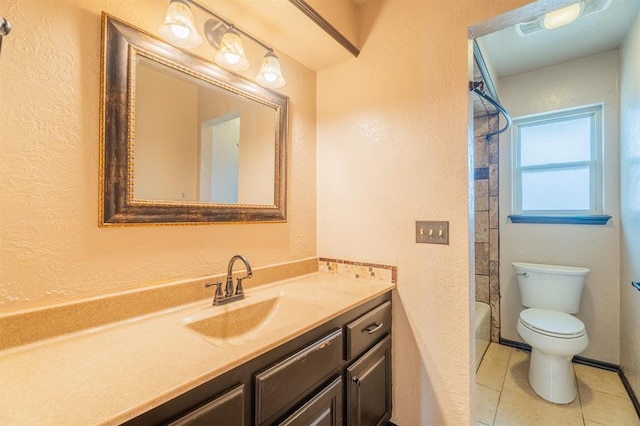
{"x":178,"y":27}
{"x":561,"y":17}
{"x":270,"y":74}
{"x":231,"y":54}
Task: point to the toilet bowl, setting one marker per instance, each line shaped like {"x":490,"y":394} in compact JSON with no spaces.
{"x":555,"y":337}
{"x":551,"y":293}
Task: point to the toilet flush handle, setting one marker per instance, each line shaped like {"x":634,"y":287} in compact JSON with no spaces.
{"x":524,"y":274}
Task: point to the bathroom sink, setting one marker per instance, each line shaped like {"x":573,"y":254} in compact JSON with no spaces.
{"x":247,"y":322}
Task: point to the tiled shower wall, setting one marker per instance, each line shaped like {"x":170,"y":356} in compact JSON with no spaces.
{"x":487,"y":278}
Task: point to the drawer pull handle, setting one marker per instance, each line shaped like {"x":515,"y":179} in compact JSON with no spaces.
{"x":374,"y":327}
{"x":357,"y":381}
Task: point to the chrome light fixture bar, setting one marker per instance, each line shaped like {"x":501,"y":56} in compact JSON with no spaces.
{"x":179,"y":29}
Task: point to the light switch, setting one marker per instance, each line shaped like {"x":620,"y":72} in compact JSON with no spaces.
{"x":432,"y":232}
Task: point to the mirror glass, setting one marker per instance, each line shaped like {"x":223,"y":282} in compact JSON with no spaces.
{"x":184,"y":141}
{"x":197,"y":142}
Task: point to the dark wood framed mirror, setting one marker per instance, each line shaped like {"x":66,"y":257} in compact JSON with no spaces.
{"x":183,"y":141}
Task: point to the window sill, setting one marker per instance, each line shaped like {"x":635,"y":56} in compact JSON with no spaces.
{"x":564,"y":220}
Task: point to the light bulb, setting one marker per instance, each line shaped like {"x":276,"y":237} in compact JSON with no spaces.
{"x":270,"y":77}
{"x":232,"y":58}
{"x":180,"y":31}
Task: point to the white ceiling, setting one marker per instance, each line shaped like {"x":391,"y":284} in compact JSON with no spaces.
{"x":509,"y":53}
{"x":281,"y":25}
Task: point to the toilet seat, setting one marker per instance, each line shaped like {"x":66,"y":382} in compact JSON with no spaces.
{"x":552,"y":323}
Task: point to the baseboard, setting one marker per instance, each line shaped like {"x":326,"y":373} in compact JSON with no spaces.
{"x":632,"y":395}
{"x":595,"y":363}
{"x":591,"y":363}
{"x":514,"y":344}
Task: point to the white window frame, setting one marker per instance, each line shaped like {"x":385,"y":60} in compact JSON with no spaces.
{"x":595,"y":112}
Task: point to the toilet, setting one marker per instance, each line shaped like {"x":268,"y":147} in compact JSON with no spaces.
{"x":551,"y":293}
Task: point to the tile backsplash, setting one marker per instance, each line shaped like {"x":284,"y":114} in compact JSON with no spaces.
{"x":360,"y":270}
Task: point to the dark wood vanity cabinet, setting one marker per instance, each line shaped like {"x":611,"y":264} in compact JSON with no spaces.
{"x":336,"y":374}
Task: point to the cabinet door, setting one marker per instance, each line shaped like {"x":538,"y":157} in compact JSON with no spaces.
{"x":324,"y":409}
{"x":226,"y":409}
{"x":369,"y":387}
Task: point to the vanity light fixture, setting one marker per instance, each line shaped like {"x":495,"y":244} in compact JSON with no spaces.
{"x":561,"y":17}
{"x":231,"y":53}
{"x":179,"y":29}
{"x":270,"y":74}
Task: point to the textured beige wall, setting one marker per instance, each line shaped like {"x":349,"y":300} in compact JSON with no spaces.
{"x":393,"y":134}
{"x":51,"y":248}
{"x":572,"y":84}
{"x":630,"y":205}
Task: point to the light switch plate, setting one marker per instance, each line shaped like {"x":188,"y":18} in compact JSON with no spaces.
{"x":432,"y":232}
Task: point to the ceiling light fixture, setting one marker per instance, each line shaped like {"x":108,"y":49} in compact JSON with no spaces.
{"x":561,"y":17}
{"x":587,"y":8}
{"x":179,"y":28}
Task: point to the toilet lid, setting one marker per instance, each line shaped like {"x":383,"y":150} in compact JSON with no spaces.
{"x":552,"y":323}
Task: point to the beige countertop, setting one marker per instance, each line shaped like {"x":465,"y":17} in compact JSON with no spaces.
{"x":110,"y":374}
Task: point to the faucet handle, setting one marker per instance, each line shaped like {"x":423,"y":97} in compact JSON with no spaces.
{"x":239,"y":290}
{"x":218,"y":296}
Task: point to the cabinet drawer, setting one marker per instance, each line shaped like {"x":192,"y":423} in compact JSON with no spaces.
{"x":368,"y":329}
{"x":324,"y":409}
{"x":226,"y":409}
{"x":289,"y":381}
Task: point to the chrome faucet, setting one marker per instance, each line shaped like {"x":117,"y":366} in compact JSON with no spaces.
{"x":229,"y":294}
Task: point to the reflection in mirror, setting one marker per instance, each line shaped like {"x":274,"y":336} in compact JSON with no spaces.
{"x":184,"y":141}
{"x":197,"y":142}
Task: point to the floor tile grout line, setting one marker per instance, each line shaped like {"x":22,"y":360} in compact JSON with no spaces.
{"x":495,"y":413}
{"x":506,"y":371}
{"x":504,"y":378}
{"x":578,"y":395}
{"x":624,"y":395}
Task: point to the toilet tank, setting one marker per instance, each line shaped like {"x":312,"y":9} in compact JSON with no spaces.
{"x":553,"y":287}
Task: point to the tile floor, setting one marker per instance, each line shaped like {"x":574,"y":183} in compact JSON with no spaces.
{"x":504,"y":397}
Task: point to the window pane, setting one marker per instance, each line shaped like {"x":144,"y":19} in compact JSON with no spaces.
{"x":556,"y":142}
{"x":566,"y":189}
